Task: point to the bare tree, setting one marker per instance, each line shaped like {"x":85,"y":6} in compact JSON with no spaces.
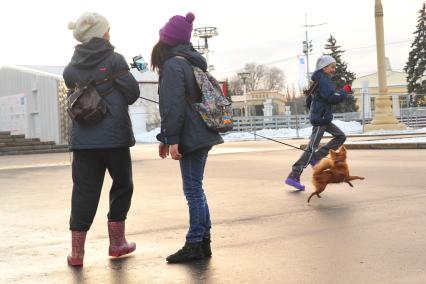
{"x":274,"y":79}
{"x":235,"y":86}
{"x":261,"y":78}
{"x":295,"y":100}
{"x":257,"y":73}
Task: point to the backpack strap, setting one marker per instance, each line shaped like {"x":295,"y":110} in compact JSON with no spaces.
{"x":112,"y":77}
{"x":183,"y":58}
{"x":103,"y":81}
{"x":190,"y":100}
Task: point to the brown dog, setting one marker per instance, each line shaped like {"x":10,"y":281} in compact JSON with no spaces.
{"x":333,"y":169}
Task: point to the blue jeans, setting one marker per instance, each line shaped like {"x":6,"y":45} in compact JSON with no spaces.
{"x":192,"y":169}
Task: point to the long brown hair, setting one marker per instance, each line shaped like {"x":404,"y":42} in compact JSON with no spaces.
{"x":160,"y":53}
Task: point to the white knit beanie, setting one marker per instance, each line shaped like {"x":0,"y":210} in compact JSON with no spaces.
{"x":324,"y":61}
{"x":89,"y":25}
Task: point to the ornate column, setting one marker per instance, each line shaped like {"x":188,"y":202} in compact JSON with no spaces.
{"x":383,"y":115}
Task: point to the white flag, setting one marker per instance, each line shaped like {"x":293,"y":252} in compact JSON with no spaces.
{"x":303,"y":82}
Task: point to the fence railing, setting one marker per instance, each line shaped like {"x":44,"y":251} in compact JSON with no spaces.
{"x":412,"y":117}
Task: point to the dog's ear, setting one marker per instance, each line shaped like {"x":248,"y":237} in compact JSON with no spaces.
{"x":332,"y":153}
{"x":342,"y":149}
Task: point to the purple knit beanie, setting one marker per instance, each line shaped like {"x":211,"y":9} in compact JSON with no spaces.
{"x":177,"y":30}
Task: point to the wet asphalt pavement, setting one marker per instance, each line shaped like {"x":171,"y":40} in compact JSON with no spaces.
{"x":263,"y":231}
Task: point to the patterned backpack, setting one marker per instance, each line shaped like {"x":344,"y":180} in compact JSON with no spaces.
{"x":215,"y":109}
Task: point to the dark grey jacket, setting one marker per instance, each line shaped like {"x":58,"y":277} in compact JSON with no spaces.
{"x":180,"y":122}
{"x":97,"y":60}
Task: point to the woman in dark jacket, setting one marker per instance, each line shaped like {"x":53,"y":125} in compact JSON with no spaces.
{"x":104,"y":145}
{"x":184,"y":135}
{"x":320,"y":116}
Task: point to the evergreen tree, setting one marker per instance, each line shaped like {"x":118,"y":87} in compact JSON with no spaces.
{"x":416,"y":64}
{"x":228,"y":90}
{"x":342,"y":76}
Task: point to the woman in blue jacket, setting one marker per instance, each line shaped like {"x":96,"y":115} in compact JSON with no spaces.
{"x":320,"y":115}
{"x":184,"y":135}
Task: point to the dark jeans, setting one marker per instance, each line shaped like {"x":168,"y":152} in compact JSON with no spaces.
{"x":192,"y":169}
{"x":316,"y":136}
{"x":88,"y":172}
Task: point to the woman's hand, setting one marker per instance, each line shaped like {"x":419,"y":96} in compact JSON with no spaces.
{"x":163,"y":150}
{"x":174,"y":152}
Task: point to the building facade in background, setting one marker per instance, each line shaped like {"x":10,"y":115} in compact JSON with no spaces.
{"x":366,"y":88}
{"x":260,"y":103}
{"x":33,"y":102}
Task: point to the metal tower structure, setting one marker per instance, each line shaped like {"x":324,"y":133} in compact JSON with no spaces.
{"x":205,"y":33}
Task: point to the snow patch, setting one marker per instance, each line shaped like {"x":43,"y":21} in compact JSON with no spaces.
{"x":348,"y":127}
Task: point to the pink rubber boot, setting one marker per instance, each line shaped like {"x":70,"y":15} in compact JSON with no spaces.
{"x":77,"y":248}
{"x":118,"y":245}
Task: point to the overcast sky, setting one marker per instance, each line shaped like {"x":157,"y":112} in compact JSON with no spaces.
{"x":35,"y":32}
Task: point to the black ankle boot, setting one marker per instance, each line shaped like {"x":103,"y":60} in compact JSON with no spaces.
{"x":206,"y":247}
{"x":189,"y":252}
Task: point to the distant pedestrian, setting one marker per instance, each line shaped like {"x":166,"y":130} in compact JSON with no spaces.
{"x":184,"y":135}
{"x":320,"y":116}
{"x":103,"y":145}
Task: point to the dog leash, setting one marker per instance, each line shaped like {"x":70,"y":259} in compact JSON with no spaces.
{"x":267,"y":138}
{"x":149,"y":100}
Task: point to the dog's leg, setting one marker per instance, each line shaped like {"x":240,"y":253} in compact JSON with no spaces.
{"x":310,"y":196}
{"x":319,"y":189}
{"x":349,"y":178}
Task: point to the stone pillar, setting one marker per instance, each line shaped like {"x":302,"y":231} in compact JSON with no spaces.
{"x":383,"y":115}
{"x":365,"y":101}
{"x":267,"y":107}
{"x":367,"y":105}
{"x":395,"y":105}
{"x":287,"y":110}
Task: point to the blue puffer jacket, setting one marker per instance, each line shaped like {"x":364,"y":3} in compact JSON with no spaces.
{"x":320,"y":112}
{"x":180,"y":122}
{"x":97,"y":60}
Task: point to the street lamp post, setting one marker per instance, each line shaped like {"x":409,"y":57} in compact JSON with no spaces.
{"x":243,"y":76}
{"x":307,"y":45}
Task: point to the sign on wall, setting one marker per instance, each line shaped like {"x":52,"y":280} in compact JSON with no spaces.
{"x":13,"y":114}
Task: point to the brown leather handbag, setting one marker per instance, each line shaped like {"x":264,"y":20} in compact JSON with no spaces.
{"x":85,"y":103}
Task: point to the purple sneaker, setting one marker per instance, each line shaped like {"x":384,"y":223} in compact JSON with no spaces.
{"x":313,"y":162}
{"x":294,"y":181}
